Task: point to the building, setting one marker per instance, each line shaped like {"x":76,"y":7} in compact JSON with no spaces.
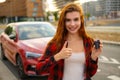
{"x":90,"y":8}
{"x":113,"y":8}
{"x":110,"y":8}
{"x":61,"y":3}
{"x":21,"y":10}
{"x":103,"y":8}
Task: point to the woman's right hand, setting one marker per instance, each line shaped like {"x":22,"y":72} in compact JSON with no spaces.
{"x":64,"y":53}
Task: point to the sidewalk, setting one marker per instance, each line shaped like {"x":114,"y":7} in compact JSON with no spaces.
{"x":5,"y":73}
{"x":105,"y":33}
{"x":111,"y":42}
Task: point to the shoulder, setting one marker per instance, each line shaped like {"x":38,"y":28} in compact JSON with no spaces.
{"x":51,"y":46}
{"x":50,"y":49}
{"x":88,"y":41}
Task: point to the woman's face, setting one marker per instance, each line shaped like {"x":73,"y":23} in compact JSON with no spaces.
{"x":73,"y":22}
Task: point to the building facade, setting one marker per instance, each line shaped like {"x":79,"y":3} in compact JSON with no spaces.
{"x":110,"y":8}
{"x":61,"y":3}
{"x":21,"y":10}
{"x":99,"y":8}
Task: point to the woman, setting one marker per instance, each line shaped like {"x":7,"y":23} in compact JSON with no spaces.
{"x":70,"y":55}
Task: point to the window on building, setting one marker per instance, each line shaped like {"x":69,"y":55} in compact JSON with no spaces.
{"x":33,"y":0}
{"x":35,"y":9}
{"x":35,"y":4}
{"x":34,"y":14}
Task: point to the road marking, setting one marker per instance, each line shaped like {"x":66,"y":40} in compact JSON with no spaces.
{"x":113,"y":77}
{"x":106,"y":60}
{"x":115,"y":61}
{"x":119,"y":67}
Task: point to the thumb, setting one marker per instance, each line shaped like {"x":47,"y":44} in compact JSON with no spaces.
{"x":65,"y":44}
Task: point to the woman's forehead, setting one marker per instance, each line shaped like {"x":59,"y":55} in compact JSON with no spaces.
{"x":72,"y":14}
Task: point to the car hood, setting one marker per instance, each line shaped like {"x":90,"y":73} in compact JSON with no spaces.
{"x":34,"y":45}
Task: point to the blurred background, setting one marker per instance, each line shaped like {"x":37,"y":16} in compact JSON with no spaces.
{"x":100,"y":13}
{"x":48,"y":10}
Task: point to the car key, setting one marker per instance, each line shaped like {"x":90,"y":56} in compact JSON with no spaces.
{"x":97,"y":44}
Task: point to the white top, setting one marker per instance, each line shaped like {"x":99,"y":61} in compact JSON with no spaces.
{"x":74,"y":67}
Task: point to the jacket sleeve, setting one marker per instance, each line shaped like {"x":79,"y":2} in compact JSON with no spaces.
{"x":45,"y":62}
{"x":92,"y":67}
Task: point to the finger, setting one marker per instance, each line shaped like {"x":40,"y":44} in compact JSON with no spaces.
{"x":101,"y":45}
{"x":69,"y":55}
{"x":65,"y":44}
{"x":68,"y":49}
{"x":101,"y":42}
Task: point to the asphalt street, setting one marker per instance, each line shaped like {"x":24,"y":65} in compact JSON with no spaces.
{"x":5,"y":73}
{"x":109,"y":63}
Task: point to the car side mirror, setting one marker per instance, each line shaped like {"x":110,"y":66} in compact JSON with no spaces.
{"x":12,"y":36}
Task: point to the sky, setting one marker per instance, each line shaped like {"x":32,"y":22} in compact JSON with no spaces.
{"x":82,"y":1}
{"x":2,"y":1}
{"x":52,"y":8}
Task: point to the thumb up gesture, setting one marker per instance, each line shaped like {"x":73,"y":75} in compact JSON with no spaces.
{"x":64,"y":53}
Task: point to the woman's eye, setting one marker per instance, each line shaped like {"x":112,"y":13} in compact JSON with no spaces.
{"x":67,"y":20}
{"x":76,"y":19}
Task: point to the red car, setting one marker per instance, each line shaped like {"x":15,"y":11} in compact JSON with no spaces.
{"x":22,"y":43}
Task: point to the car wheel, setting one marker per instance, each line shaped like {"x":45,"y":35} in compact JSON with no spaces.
{"x":2,"y":53}
{"x":20,"y":68}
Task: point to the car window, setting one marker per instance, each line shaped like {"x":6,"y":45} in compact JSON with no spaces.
{"x":31,"y":31}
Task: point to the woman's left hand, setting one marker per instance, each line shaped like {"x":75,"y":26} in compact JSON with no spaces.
{"x":96,"y":52}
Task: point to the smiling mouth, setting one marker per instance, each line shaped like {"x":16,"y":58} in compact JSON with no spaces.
{"x":72,"y":29}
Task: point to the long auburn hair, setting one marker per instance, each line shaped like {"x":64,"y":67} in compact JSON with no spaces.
{"x":61,"y":33}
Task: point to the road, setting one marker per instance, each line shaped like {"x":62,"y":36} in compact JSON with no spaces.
{"x":109,"y":65}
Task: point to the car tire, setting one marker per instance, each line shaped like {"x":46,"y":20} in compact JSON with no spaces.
{"x":20,"y":68}
{"x":2,"y":53}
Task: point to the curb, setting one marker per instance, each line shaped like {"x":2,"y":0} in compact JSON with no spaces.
{"x":111,"y":42}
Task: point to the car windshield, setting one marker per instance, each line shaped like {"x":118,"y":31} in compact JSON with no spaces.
{"x":31,"y":31}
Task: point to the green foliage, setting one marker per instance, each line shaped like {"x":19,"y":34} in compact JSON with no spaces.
{"x":87,"y":15}
{"x":48,"y":14}
{"x":56,"y":15}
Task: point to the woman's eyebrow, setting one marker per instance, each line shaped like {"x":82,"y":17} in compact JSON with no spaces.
{"x":76,"y":18}
{"x":67,"y":19}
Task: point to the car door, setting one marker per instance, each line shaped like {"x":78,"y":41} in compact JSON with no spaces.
{"x":10,"y":46}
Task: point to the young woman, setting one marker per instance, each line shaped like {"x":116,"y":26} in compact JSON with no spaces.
{"x":70,"y":55}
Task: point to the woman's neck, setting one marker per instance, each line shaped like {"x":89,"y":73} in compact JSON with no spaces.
{"x":73,"y":37}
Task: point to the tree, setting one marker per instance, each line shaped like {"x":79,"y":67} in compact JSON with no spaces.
{"x":87,"y":15}
{"x":56,"y":15}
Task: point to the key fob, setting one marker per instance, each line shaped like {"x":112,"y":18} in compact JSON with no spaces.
{"x":97,"y":44}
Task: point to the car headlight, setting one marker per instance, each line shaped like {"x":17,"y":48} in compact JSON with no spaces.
{"x":30,"y":55}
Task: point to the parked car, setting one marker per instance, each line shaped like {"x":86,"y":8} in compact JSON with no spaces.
{"x":22,"y":43}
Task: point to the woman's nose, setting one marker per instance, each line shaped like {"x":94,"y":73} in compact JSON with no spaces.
{"x":72,"y":23}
